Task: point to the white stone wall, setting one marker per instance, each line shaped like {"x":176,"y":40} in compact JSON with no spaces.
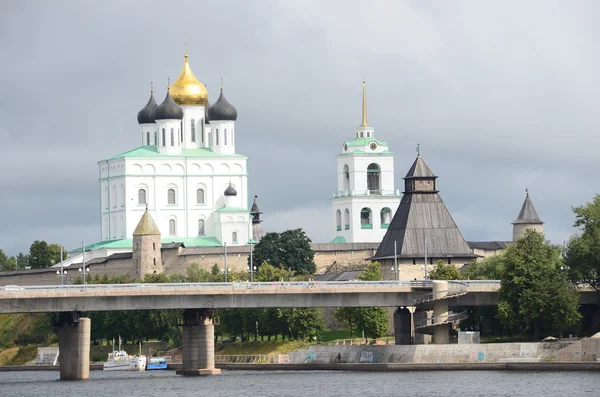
{"x":122,"y":178}
{"x":355,"y":204}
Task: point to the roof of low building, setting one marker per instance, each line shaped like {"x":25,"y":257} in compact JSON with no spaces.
{"x":489,"y":245}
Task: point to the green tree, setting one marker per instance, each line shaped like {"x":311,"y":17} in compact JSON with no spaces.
{"x":372,"y":320}
{"x":7,"y":263}
{"x":489,"y":268}
{"x":535,"y":296}
{"x":54,"y":250}
{"x":442,"y":271}
{"x":582,"y":256}
{"x":289,"y":250}
{"x":22,"y":260}
{"x":39,"y":255}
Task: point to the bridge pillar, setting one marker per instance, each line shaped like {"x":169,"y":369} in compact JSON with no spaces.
{"x":198,"y":344}
{"x":74,"y":347}
{"x":402,"y":326}
{"x":419,"y":315}
{"x":441,"y":333}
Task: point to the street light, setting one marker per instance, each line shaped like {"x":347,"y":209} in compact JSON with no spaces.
{"x":395,"y":267}
{"x":251,"y":269}
{"x":84,"y":271}
{"x":61,"y":273}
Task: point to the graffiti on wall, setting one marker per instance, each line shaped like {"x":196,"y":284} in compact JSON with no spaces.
{"x":310,"y":357}
{"x":368,"y":356}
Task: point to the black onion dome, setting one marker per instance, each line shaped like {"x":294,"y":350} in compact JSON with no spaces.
{"x":222,"y":110}
{"x":146,"y":115}
{"x":168,"y":109}
{"x":230,"y":191}
{"x":206,"y":119}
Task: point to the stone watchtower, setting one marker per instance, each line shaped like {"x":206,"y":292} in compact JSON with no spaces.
{"x":527,"y":219}
{"x":147,"y":258}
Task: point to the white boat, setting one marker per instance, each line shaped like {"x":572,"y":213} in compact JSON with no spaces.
{"x":120,"y":360}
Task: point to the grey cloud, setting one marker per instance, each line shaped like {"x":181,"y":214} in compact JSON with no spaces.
{"x":500,"y":100}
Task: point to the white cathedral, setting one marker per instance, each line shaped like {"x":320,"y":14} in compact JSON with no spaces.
{"x":186,"y":172}
{"x":366,"y":200}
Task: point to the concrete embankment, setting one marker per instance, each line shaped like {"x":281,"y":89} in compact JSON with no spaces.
{"x":515,"y":366}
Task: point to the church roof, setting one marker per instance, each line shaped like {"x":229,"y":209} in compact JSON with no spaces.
{"x":146,"y":226}
{"x":222,"y":109}
{"x":419,"y":170}
{"x":152,"y":151}
{"x":528,"y":215}
{"x":168,"y":110}
{"x":146,"y":115}
{"x":422,"y":218}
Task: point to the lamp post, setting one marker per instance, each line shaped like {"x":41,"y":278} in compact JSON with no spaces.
{"x":225,"y":256}
{"x":425,"y":267}
{"x":395,"y":268}
{"x":251,"y":269}
{"x":61,"y":273}
{"x":82,"y":269}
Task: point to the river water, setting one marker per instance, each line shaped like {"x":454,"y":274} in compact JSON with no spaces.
{"x":305,"y":383}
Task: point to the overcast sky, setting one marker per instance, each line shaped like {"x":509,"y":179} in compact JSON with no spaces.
{"x":500,"y":95}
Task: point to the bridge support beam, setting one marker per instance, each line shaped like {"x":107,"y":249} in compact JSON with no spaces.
{"x":441,"y":333}
{"x":402,"y":326}
{"x":74,"y":347}
{"x":198,"y":344}
{"x":419,"y":315}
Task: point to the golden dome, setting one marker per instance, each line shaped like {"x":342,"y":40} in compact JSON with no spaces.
{"x":187,"y":90}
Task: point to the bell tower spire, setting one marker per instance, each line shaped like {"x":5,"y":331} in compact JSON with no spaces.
{"x":364,"y":105}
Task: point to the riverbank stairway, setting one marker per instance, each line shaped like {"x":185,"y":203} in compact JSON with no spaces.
{"x":439,"y":300}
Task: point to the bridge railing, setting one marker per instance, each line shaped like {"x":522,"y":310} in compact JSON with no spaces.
{"x":438,"y":320}
{"x":212,"y":286}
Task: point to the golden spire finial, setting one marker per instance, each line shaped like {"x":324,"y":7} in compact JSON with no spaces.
{"x":186,"y":50}
{"x":364,"y":105}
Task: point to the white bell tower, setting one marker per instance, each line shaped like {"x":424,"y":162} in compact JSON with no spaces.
{"x":366,"y":200}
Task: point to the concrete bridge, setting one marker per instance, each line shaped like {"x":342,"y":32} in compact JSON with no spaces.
{"x":200,"y":300}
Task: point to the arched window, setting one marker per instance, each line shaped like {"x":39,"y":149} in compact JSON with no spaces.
{"x":172,"y":136}
{"x":366,"y":221}
{"x":234,"y":237}
{"x":156,"y":138}
{"x":373,"y":179}
{"x":164,"y":138}
{"x":171,"y":196}
{"x":338,"y":220}
{"x":142,"y":196}
{"x":200,"y":196}
{"x":172,"y":227}
{"x":147,"y":138}
{"x":386,"y":217}
{"x":347,"y":219}
{"x":225,"y":136}
{"x":217,"y":136}
{"x":200,"y":227}
{"x":193,"y":130}
{"x":180,"y":132}
{"x":202,"y":129}
{"x":362,"y":134}
{"x":346,"y":177}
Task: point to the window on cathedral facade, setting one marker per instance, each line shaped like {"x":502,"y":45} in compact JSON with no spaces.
{"x":234,"y":237}
{"x":347,"y":219}
{"x":180,"y":132}
{"x":200,"y":196}
{"x":171,"y":196}
{"x":200,"y":227}
{"x":155,"y":138}
{"x":164,"y":138}
{"x":172,"y":136}
{"x":217,"y":136}
{"x":386,"y":217}
{"x":142,"y":196}
{"x":225,"y":136}
{"x":202,"y":130}
{"x":366,"y":221}
{"x":373,"y":185}
{"x":147,"y":138}
{"x":172,"y":227}
{"x":362,"y":134}
{"x":193,"y":133}
{"x":338,"y":220}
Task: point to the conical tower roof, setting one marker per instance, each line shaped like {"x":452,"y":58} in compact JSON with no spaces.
{"x":146,"y":226}
{"x":528,"y":215}
{"x":422,"y":225}
{"x":419,"y":170}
